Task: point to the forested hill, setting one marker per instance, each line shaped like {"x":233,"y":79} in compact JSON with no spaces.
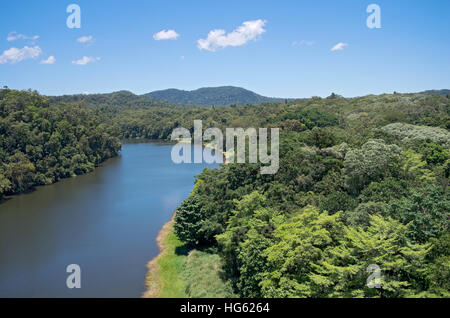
{"x":362,"y":185}
{"x":111,"y":102}
{"x":443,"y":92}
{"x":42,"y":143}
{"x":212,"y":96}
{"x":362,"y":182}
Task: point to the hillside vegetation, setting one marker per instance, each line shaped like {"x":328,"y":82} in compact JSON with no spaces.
{"x":110,"y":103}
{"x":42,"y":143}
{"x":362,"y":186}
{"x":212,"y":96}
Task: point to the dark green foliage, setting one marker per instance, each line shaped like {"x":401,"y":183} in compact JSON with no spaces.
{"x":109,"y":102}
{"x":42,"y":143}
{"x":348,"y":194}
{"x":361,"y":181}
{"x":313,"y":117}
{"x":360,"y":216}
{"x":212,"y":96}
{"x":321,"y":138}
{"x":337,"y":201}
{"x":190,"y":214}
{"x":384,"y":191}
{"x":427,"y":209}
{"x":433,"y":153}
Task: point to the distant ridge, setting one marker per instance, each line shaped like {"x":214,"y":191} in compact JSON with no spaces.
{"x":212,"y":96}
{"x":443,"y":92}
{"x":112,"y":101}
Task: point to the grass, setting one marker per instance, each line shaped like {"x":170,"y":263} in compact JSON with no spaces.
{"x":178,"y":272}
{"x":203,"y":276}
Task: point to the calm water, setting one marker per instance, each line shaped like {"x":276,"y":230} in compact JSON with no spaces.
{"x":105,"y":221}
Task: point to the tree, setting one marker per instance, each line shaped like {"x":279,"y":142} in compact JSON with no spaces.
{"x":342,"y":271}
{"x":373,"y":162}
{"x":299,"y":245}
{"x":426,"y":209}
{"x":414,"y":168}
{"x":250,"y":212}
{"x":188,"y":221}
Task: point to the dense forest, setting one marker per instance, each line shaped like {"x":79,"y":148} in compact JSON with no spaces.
{"x":173,"y":98}
{"x":111,"y":103}
{"x":42,"y":143}
{"x":212,"y":96}
{"x":362,"y":181}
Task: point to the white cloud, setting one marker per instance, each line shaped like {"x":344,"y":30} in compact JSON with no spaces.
{"x":12,"y":36}
{"x":303,"y":42}
{"x":15,"y":55}
{"x":85,"y":60}
{"x":87,"y":39}
{"x":182,"y":57}
{"x":339,"y":47}
{"x":218,"y":39}
{"x":51,"y":59}
{"x":166,"y":35}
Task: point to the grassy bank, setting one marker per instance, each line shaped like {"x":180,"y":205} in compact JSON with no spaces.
{"x":178,"y":272}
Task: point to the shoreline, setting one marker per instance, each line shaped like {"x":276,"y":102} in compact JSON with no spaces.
{"x":151,"y":277}
{"x":226,"y":156}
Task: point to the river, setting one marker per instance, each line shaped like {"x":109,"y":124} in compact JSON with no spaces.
{"x":105,"y":221}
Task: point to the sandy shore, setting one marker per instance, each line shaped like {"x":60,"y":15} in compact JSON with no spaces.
{"x":153,"y":288}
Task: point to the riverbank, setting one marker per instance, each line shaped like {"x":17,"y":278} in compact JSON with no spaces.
{"x":227,"y":156}
{"x":180,"y":272}
{"x":161,"y":279}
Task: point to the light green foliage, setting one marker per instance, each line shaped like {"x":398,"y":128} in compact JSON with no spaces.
{"x":413,"y":167}
{"x":374,"y":161}
{"x":343,"y":272}
{"x":298,"y":246}
{"x":249,"y":229}
{"x":361,"y":181}
{"x":203,"y":276}
{"x":407,"y":133}
{"x":348,"y":194}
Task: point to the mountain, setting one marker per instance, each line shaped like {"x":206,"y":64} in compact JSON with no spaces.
{"x":443,"y":92}
{"x":209,"y":96}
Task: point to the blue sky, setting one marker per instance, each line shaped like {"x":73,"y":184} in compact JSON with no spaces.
{"x":285,"y":51}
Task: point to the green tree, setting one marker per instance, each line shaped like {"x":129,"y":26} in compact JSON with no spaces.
{"x":343,"y":271}
{"x":373,"y":162}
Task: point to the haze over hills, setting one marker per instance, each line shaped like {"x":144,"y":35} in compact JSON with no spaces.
{"x":209,"y":96}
